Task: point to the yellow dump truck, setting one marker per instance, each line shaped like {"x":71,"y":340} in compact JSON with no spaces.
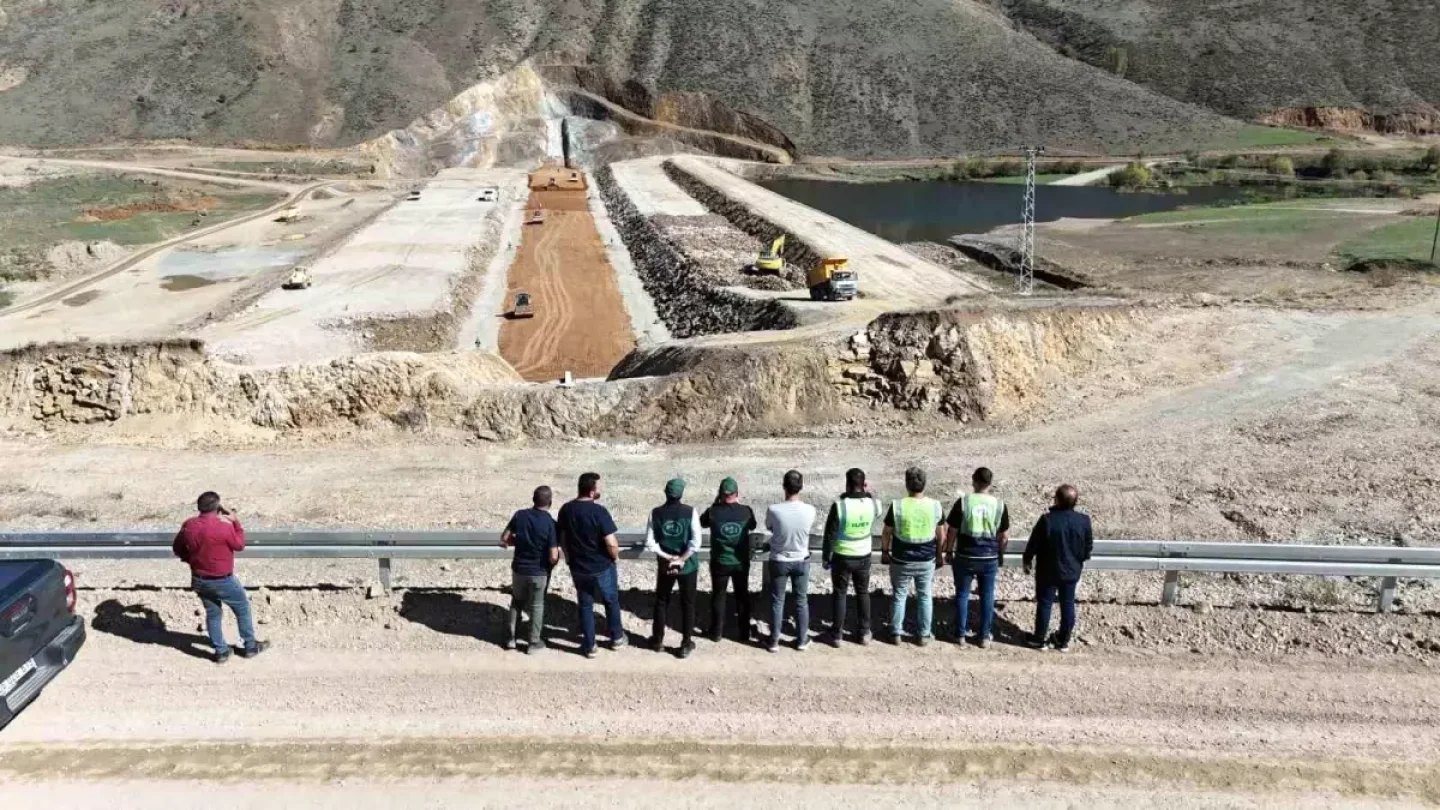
{"x":832,"y":280}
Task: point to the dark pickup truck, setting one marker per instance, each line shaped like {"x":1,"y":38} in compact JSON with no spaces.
{"x":39,"y":631}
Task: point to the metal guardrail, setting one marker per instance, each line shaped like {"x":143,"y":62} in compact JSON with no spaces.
{"x":1387,"y":562}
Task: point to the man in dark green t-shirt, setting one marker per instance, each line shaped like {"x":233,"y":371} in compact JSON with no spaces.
{"x":730,"y":523}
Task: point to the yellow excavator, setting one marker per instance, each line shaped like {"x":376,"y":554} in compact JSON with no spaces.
{"x":772,"y":262}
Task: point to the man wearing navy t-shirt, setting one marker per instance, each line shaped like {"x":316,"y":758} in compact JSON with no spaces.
{"x":587,"y":536}
{"x":537,"y":549}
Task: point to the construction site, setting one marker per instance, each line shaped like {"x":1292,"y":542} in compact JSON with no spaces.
{"x":534,"y":280}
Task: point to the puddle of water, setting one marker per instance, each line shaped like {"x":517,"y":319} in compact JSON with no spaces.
{"x":81,"y":299}
{"x":227,"y":263}
{"x":182,"y":283}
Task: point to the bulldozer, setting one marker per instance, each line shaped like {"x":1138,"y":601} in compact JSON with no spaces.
{"x":299,"y":279}
{"x":522,"y":307}
{"x":772,"y":262}
{"x":832,"y":280}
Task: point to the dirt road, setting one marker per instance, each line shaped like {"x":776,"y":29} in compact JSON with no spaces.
{"x":580,"y":324}
{"x":327,"y":709}
{"x":294,"y":195}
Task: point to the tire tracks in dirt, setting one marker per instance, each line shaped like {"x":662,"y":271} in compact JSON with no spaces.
{"x":558,"y":314}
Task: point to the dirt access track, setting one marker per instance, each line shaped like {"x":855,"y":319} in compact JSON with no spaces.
{"x":580,"y":323}
{"x":363,"y":694}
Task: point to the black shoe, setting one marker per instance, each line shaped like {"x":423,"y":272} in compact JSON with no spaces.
{"x":893,"y":639}
{"x":832,"y":638}
{"x":716,"y":636}
{"x":251,"y":652}
{"x":686,"y":648}
{"x":590,"y":653}
{"x":221,"y":658}
{"x":1034,"y":643}
{"x":656,"y":644}
{"x":509,"y":645}
{"x":537,"y":647}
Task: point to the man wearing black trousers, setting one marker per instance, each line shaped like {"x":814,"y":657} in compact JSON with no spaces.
{"x":673,"y":536}
{"x":1059,"y":545}
{"x":730,"y":523}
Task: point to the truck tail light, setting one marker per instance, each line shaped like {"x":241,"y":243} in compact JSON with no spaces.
{"x":69,"y":591}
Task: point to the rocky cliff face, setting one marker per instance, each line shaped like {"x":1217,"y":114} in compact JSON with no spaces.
{"x":848,"y":77}
{"x":975,"y":366}
{"x":671,"y":394}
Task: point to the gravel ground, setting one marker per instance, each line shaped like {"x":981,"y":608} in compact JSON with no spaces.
{"x":332,"y":702}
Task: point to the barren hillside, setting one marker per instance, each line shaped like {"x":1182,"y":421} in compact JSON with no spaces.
{"x":849,"y":77}
{"x":1348,"y":63}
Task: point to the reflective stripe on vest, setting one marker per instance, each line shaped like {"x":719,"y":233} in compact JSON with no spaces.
{"x":916,"y":519}
{"x":857,"y":527}
{"x":982,"y":513}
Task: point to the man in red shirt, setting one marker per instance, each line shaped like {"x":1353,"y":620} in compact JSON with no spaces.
{"x":207,"y":543}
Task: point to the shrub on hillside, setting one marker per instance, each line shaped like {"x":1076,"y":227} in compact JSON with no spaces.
{"x":1431,"y":160}
{"x":1283,"y":166}
{"x":1134,"y":175}
{"x":1007,"y":168}
{"x":1336,"y":163}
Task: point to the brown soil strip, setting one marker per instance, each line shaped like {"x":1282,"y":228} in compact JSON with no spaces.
{"x":674,"y":760}
{"x":580,"y":322}
{"x":119,"y":212}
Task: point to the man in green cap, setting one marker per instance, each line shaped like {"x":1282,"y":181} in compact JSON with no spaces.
{"x":730,"y":523}
{"x":673,"y":536}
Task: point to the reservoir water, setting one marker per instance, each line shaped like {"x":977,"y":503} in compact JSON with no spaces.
{"x":928,"y":210}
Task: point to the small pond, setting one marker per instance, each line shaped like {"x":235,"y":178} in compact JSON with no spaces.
{"x":928,"y":210}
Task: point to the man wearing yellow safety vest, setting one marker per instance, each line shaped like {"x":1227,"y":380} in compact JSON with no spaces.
{"x":914,"y":531}
{"x":975,"y":544}
{"x":849,"y":541}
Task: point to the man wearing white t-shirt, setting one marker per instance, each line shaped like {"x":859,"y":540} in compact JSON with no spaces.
{"x":789,"y":524}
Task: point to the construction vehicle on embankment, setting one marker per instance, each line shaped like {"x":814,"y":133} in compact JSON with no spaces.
{"x":772,"y":262}
{"x":832,"y":280}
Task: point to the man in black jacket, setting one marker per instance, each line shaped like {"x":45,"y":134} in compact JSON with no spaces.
{"x":1059,"y":545}
{"x":673,"y":536}
{"x":730,"y":523}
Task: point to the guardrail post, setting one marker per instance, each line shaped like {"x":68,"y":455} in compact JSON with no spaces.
{"x":385,"y":573}
{"x":1171,"y":594}
{"x":1387,"y":594}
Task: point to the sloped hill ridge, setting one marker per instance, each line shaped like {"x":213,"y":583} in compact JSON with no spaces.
{"x":846,"y":77}
{"x":1341,"y":63}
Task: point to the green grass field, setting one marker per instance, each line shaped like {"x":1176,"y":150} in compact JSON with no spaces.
{"x":34,"y":218}
{"x":1040,"y":179}
{"x":1257,"y":137}
{"x":1403,"y":240}
{"x":1261,"y":216}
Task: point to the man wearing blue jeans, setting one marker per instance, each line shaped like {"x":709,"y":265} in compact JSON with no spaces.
{"x":975,"y":544}
{"x":789,"y":524}
{"x":587,"y":535}
{"x":1059,"y":546}
{"x":207,"y":543}
{"x":909,"y":544}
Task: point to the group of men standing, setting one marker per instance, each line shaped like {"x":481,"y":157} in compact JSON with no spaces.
{"x":917,"y":538}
